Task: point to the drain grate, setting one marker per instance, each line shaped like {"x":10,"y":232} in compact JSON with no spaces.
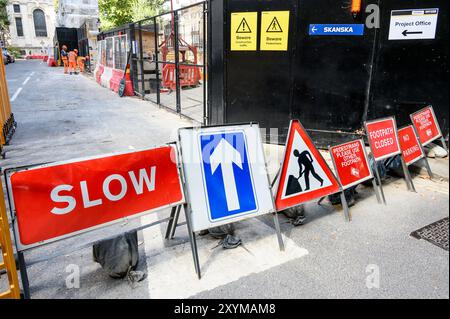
{"x":436,"y":233}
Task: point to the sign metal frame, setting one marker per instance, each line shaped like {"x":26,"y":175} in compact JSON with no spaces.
{"x":21,"y":250}
{"x":188,"y":208}
{"x":408,"y":178}
{"x":423,"y":158}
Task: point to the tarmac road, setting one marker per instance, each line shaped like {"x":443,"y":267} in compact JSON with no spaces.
{"x":62,"y":117}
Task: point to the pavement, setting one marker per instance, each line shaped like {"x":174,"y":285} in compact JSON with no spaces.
{"x":63,"y":117}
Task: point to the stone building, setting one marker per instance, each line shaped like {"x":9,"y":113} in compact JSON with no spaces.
{"x":32,"y":25}
{"x":74,"y":13}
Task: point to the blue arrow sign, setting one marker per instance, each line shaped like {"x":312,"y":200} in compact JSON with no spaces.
{"x":336,"y":29}
{"x":227,"y":175}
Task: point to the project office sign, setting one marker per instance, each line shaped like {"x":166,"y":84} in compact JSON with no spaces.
{"x":413,"y":24}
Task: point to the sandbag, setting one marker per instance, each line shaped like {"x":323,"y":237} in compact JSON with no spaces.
{"x":119,"y":255}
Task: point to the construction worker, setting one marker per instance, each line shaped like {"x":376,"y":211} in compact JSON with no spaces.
{"x":80,"y":61}
{"x":65,"y":58}
{"x":73,"y":61}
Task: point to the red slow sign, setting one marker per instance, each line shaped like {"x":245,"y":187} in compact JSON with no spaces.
{"x":383,"y":139}
{"x":411,"y":149}
{"x":52,"y":202}
{"x":426,"y":125}
{"x":351,"y":164}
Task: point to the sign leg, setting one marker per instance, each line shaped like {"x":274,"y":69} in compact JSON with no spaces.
{"x":345,"y":207}
{"x":170,"y":223}
{"x":278,"y":230}
{"x":175,"y":223}
{"x":444,"y":145}
{"x":380,"y":186}
{"x":24,"y":275}
{"x":427,"y":165}
{"x":409,"y":182}
{"x":377,"y":192}
{"x":193,"y":241}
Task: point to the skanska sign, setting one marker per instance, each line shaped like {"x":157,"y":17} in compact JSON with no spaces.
{"x":336,"y":29}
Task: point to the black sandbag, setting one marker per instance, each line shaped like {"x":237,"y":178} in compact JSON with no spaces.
{"x":119,"y":255}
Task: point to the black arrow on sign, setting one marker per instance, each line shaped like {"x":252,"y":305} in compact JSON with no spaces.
{"x":406,"y":32}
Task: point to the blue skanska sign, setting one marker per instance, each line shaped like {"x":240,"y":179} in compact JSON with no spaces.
{"x":336,"y":29}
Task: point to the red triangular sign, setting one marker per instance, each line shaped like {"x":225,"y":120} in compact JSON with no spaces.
{"x":305,"y":175}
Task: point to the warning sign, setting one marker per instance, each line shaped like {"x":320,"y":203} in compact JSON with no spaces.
{"x":274,"y":30}
{"x":304,"y":174}
{"x":426,"y":125}
{"x":409,"y":143}
{"x":351,"y":164}
{"x":59,"y":200}
{"x":244,"y":31}
{"x":383,"y":139}
{"x":413,"y":24}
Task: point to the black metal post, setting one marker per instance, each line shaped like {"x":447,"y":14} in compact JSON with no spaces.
{"x":141,"y":61}
{"x":158,"y":93}
{"x":205,"y":70}
{"x":177,"y":62}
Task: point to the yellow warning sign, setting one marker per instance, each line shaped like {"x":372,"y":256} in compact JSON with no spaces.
{"x":274,"y":30}
{"x":244,"y":28}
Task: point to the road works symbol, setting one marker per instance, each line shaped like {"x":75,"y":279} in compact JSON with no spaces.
{"x":304,"y":174}
{"x":243,"y":27}
{"x":274,"y":26}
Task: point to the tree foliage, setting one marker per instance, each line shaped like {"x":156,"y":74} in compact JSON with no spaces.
{"x":3,"y":14}
{"x":114,"y":13}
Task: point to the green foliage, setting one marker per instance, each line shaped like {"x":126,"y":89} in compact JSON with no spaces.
{"x":3,"y":15}
{"x":14,"y":51}
{"x":114,"y":13}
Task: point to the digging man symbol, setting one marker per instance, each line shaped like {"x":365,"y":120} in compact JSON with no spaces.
{"x":306,"y":167}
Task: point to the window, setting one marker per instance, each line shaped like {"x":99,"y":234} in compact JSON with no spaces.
{"x":16,"y":8}
{"x":40,"y":27}
{"x":19,"y":27}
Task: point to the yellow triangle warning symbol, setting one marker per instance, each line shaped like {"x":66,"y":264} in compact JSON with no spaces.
{"x":243,"y":27}
{"x":274,"y":26}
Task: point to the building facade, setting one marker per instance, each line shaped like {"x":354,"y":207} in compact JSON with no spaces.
{"x":74,"y":13}
{"x":32,"y":25}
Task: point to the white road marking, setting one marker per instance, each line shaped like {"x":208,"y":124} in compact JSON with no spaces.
{"x":26,"y":80}
{"x":171,"y":271}
{"x":16,"y":94}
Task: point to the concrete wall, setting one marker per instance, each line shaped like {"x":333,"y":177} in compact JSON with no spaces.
{"x":29,"y":41}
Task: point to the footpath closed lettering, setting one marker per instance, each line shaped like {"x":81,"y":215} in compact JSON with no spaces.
{"x":55,"y":201}
{"x":383,"y":138}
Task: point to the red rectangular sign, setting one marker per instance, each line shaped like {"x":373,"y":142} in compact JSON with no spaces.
{"x":426,"y":125}
{"x":383,"y":138}
{"x":351,"y":164}
{"x":62,"y":199}
{"x":410,"y":145}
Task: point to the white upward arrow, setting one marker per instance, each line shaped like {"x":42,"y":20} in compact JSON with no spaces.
{"x":226,"y":155}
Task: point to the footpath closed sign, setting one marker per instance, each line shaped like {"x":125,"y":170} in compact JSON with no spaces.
{"x":383,"y":138}
{"x":413,"y":24}
{"x":244,"y":31}
{"x":351,"y":163}
{"x":55,"y":201}
{"x":226,"y":174}
{"x":274,"y":30}
{"x":426,"y":125}
{"x":410,"y":145}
